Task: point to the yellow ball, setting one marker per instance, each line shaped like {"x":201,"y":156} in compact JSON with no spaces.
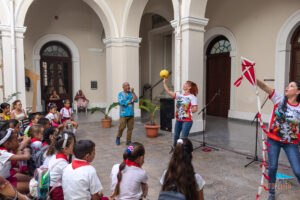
{"x":164,"y":74}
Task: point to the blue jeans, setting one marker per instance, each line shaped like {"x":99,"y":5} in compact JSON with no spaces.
{"x":292,"y":153}
{"x":185,"y":127}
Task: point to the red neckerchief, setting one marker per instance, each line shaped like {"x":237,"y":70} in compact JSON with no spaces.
{"x":68,"y":109}
{"x":79,"y":163}
{"x":2,"y":148}
{"x":132,"y":163}
{"x":30,"y":124}
{"x":35,"y":140}
{"x":63,"y":156}
{"x":45,"y":144}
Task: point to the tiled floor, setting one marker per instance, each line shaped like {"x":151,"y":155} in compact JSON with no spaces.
{"x":224,"y":172}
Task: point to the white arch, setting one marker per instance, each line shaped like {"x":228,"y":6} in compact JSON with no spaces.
{"x":208,"y":37}
{"x":100,"y":7}
{"x":4,"y":13}
{"x":283,"y":48}
{"x":75,"y":60}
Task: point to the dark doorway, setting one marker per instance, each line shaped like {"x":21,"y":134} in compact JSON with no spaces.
{"x":295,"y":56}
{"x":56,"y":71}
{"x":218,"y":65}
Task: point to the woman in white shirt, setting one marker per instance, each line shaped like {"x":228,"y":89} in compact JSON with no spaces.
{"x":180,"y":176}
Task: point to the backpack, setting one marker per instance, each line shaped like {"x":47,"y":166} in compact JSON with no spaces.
{"x":171,"y":195}
{"x":36,"y":159}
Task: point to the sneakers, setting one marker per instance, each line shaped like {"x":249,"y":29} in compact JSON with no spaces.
{"x":271,"y":197}
{"x":117,"y":141}
{"x":128,"y":143}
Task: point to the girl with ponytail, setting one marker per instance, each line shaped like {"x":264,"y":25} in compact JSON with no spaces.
{"x":283,"y":130}
{"x":60,"y":149}
{"x":180,"y":176}
{"x":129,"y":180}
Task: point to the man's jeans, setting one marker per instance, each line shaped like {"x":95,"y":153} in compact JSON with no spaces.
{"x":185,"y":127}
{"x":292,"y":153}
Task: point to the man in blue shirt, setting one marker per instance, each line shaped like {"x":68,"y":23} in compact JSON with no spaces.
{"x":126,"y":99}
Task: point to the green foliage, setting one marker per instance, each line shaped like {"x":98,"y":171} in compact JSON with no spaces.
{"x":10,"y":97}
{"x":105,"y":111}
{"x":147,"y":105}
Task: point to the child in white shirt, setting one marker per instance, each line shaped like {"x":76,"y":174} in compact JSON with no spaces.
{"x":80,"y":180}
{"x":53,"y":116}
{"x":67,"y":115}
{"x":9,"y":143}
{"x":60,"y":149}
{"x":129,"y":180}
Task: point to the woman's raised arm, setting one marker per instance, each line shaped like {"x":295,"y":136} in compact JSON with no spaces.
{"x":264,"y":87}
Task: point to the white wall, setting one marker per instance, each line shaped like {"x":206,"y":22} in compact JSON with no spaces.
{"x":255,"y":25}
{"x":78,"y":22}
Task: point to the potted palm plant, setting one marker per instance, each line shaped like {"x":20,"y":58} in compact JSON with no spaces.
{"x":152,"y":128}
{"x":106,"y":121}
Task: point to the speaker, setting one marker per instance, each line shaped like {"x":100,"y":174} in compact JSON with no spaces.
{"x":166,"y":113}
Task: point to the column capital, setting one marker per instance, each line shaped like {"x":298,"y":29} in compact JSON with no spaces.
{"x":6,"y":31}
{"x":191,"y":23}
{"x":122,"y":42}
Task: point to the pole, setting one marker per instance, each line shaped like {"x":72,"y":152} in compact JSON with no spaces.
{"x":13,"y":46}
{"x":178,"y":50}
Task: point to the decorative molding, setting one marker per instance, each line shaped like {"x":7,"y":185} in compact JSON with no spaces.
{"x":283,"y":48}
{"x":121,"y":42}
{"x":191,"y":24}
{"x":6,"y":28}
{"x":95,"y":50}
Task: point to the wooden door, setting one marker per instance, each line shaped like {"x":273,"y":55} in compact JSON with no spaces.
{"x":295,"y":56}
{"x":56,"y":71}
{"x":218,"y":77}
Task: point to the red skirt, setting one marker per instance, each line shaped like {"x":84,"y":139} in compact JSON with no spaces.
{"x":57,"y":194}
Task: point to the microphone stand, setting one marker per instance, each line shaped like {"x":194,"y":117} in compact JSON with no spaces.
{"x":255,"y":157}
{"x":204,"y":146}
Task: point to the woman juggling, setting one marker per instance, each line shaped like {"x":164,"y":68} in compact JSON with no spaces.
{"x":186,"y":104}
{"x":283,"y":130}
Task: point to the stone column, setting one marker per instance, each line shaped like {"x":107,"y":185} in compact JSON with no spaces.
{"x":192,"y":44}
{"x":20,"y":69}
{"x":122,"y":61}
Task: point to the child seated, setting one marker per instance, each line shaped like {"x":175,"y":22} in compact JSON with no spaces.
{"x":34,"y":118}
{"x":8,"y":144}
{"x":129,"y":180}
{"x":67,"y":114}
{"x":53,"y":117}
{"x":45,"y":122}
{"x":7,"y":190}
{"x":48,"y":139}
{"x":80,"y":179}
{"x":60,"y":149}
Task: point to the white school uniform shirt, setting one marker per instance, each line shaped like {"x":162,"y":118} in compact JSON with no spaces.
{"x":131,"y":184}
{"x":36,"y":145}
{"x":199,"y":180}
{"x":65,"y":113}
{"x":56,"y":166}
{"x":47,"y":159}
{"x":5,"y":164}
{"x":50,"y":116}
{"x":80,"y":183}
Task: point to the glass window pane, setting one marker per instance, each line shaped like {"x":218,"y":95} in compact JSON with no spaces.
{"x":55,"y":50}
{"x":221,"y":46}
{"x":222,"y":42}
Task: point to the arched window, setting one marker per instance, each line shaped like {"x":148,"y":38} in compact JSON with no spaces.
{"x":219,"y":45}
{"x":295,"y":56}
{"x":55,"y":50}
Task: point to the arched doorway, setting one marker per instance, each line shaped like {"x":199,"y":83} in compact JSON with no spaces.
{"x":56,"y":71}
{"x":218,"y":72}
{"x":295,"y":56}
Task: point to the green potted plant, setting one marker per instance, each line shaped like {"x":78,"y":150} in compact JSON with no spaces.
{"x":152,"y":128}
{"x":106,"y":121}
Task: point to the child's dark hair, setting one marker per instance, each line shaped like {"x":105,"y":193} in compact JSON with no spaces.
{"x":4,"y":124}
{"x":285,"y":101}
{"x":36,"y":128}
{"x":134,"y":151}
{"x":33,"y":115}
{"x":47,"y":133}
{"x":82,"y":148}
{"x":43,"y":121}
{"x":51,"y":106}
{"x":3,"y":106}
{"x":59,"y":138}
{"x":14,"y":122}
{"x":181,"y":171}
{"x":66,"y":100}
{"x":3,"y":134}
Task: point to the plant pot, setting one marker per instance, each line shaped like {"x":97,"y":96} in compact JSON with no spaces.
{"x":106,"y":123}
{"x":152,"y":130}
